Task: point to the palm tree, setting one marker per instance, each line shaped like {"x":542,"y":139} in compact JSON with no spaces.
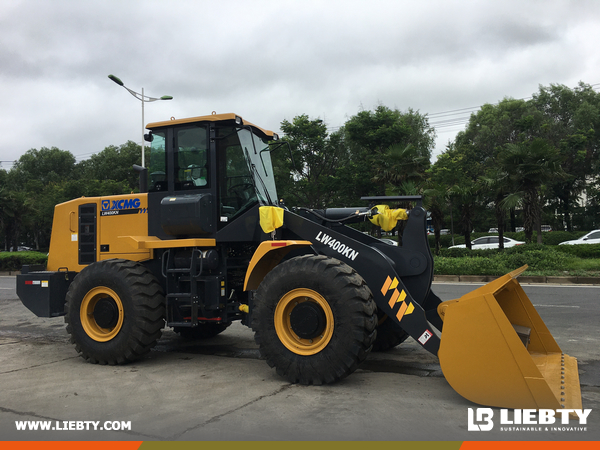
{"x":466,"y":196}
{"x":6,"y":213}
{"x":498,"y":182}
{"x":400,"y":164}
{"x":403,"y":167}
{"x":435,"y":200}
{"x":530,"y":167}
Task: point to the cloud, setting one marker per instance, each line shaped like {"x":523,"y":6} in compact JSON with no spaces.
{"x":270,"y":61}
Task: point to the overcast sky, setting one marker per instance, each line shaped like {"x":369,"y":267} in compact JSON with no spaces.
{"x":273,"y":60}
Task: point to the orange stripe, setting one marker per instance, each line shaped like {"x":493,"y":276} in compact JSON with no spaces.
{"x":395,"y":296}
{"x":386,"y":285}
{"x":401,"y":311}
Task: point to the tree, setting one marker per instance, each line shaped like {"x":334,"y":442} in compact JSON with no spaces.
{"x":42,"y":178}
{"x":18,"y":212}
{"x":41,"y":167}
{"x":113,"y":163}
{"x":530,"y":168}
{"x":458,"y":168}
{"x":489,"y":130}
{"x":498,"y":185}
{"x":571,"y":124}
{"x":310,"y":179}
{"x":508,"y":122}
{"x":435,"y":201}
{"x":400,"y":164}
{"x":6,"y":208}
{"x":24,"y":186}
{"x":390,"y":140}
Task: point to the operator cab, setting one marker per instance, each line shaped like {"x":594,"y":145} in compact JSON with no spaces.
{"x":205,"y":172}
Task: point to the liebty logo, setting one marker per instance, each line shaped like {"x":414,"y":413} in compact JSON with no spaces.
{"x":480,"y":419}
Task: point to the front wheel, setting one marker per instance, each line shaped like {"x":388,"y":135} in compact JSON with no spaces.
{"x":114,"y":311}
{"x":314,"y":319}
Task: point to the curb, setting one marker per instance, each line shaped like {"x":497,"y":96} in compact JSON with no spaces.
{"x":522,"y":280}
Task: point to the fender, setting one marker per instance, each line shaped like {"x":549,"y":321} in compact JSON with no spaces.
{"x":266,"y":257}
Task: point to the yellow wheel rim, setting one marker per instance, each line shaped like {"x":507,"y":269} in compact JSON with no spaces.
{"x":283,"y":322}
{"x":88,"y":320}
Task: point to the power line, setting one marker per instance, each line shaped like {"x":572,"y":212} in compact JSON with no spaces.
{"x":459,"y":117}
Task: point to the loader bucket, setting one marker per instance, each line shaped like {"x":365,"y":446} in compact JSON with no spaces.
{"x":495,"y":350}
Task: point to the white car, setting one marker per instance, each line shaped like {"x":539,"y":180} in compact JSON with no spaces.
{"x":489,"y":242}
{"x":593,"y":237}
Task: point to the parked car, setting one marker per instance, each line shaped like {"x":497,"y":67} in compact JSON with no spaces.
{"x":489,"y":242}
{"x":546,"y":228}
{"x":593,"y":237}
{"x":493,"y":230}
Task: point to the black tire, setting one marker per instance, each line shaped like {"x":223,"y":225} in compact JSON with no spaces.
{"x":389,"y":334}
{"x":202,"y":331}
{"x":115,"y":311}
{"x":314,"y":319}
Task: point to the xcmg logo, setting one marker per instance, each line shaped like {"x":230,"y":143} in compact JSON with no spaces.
{"x":123,"y":206}
{"x":126,"y":203}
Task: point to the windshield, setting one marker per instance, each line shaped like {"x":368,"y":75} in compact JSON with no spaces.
{"x":245,"y":172}
{"x":257,"y":151}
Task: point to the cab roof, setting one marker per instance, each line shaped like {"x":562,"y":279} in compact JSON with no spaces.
{"x":212,"y":118}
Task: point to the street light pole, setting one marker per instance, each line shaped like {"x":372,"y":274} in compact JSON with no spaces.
{"x":144,"y":99}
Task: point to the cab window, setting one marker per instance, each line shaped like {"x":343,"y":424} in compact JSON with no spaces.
{"x":157,"y":169}
{"x":191,"y":158}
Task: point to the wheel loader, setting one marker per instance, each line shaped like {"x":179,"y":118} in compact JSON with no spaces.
{"x":207,"y":242}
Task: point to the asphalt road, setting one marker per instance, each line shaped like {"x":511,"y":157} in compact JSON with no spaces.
{"x":220,"y":389}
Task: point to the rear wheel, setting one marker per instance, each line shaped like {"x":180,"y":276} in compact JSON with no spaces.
{"x":202,"y":331}
{"x":314,"y":319}
{"x":114,"y":311}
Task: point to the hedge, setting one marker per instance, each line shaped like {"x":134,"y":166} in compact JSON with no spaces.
{"x":15,"y":260}
{"x":542,"y":260}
